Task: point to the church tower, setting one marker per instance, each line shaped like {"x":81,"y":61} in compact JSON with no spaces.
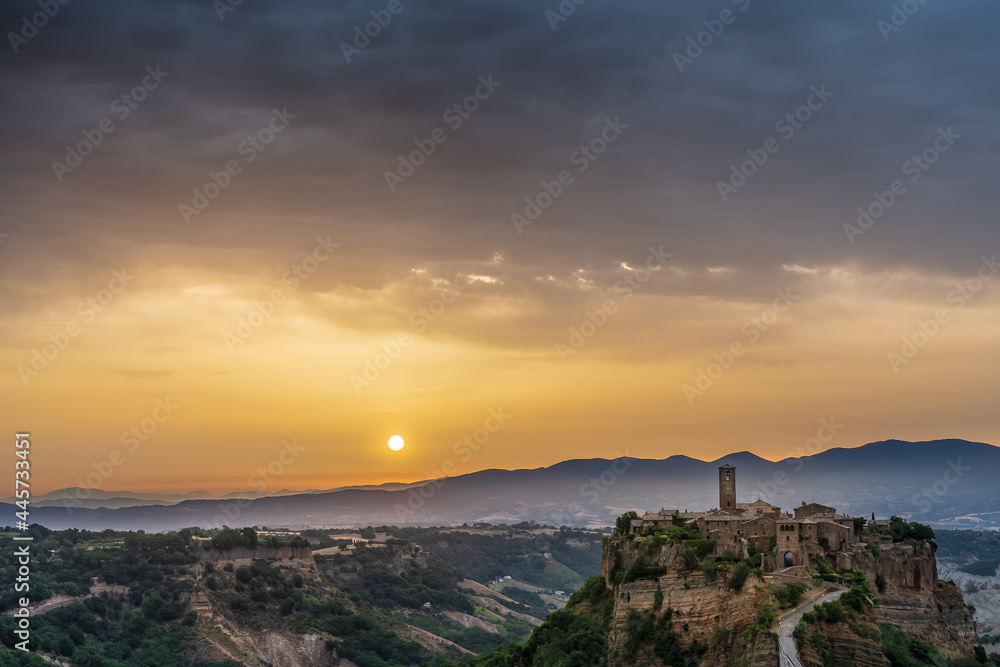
{"x":727,"y":488}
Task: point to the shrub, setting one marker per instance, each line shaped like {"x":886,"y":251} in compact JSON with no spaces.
{"x":710,"y":568}
{"x":689,"y":556}
{"x":702,"y":547}
{"x":902,"y":649}
{"x":640,"y":570}
{"x":788,"y":595}
{"x":720,"y":637}
{"x":831,"y":612}
{"x":739,"y":576}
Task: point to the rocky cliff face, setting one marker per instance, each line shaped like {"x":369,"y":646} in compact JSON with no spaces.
{"x":698,"y":607}
{"x":847,"y":647}
{"x":914,"y":600}
{"x":911,"y":599}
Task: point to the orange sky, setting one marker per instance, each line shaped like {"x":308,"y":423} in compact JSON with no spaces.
{"x":163,"y":339}
{"x":258,"y":312}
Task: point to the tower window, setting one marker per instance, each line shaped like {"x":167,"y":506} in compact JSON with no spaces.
{"x":727,"y":475}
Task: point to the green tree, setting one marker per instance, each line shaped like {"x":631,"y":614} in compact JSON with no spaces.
{"x":623,"y":524}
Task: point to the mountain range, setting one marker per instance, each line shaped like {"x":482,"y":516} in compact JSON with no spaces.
{"x":945,"y":483}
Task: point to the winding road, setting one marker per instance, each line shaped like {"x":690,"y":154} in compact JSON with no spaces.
{"x":59,"y":601}
{"x":788,"y":655}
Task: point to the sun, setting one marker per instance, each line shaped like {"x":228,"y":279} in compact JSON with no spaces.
{"x":396,"y":443}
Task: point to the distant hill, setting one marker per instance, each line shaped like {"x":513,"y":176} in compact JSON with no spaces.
{"x":943,"y":482}
{"x":80,"y":497}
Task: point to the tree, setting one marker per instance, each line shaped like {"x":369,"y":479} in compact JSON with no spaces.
{"x":623,"y":524}
{"x":739,"y":575}
{"x":249,"y":537}
{"x":921,"y":532}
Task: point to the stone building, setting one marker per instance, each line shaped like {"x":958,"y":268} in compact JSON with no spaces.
{"x":810,"y":529}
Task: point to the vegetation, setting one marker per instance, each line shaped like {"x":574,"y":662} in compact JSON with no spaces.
{"x":640,"y":570}
{"x":519,"y":554}
{"x":901,"y":530}
{"x":361,"y":609}
{"x":902,"y":650}
{"x":150,"y":625}
{"x":848,"y":607}
{"x":739,"y":575}
{"x":623,"y":524}
{"x":962,"y":546}
{"x":788,"y":595}
{"x":982,"y":568}
{"x":576,"y":635}
{"x":375,"y":581}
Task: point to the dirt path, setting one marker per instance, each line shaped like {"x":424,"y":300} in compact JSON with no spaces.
{"x":60,"y":601}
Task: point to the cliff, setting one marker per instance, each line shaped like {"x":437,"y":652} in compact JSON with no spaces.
{"x":911,"y":597}
{"x":659,"y":599}
{"x":704,"y":615}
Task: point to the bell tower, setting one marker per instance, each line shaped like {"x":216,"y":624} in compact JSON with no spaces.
{"x":727,"y":488}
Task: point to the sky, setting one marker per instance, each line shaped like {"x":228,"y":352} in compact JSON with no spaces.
{"x":267,"y":236}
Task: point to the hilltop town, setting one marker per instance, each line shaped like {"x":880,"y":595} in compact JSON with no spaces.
{"x":809,"y":530}
{"x":720,"y":585}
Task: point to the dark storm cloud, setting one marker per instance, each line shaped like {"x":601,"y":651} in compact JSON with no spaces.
{"x":656,"y":184}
